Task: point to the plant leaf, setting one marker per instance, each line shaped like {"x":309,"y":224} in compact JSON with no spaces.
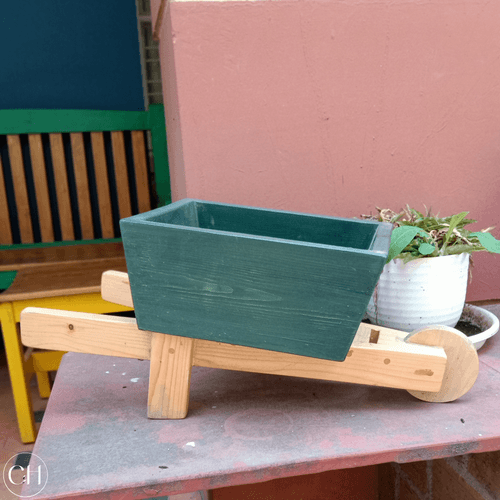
{"x":487,"y":240}
{"x":426,"y":248}
{"x":455,"y":220}
{"x":456,"y":249}
{"x":401,"y":237}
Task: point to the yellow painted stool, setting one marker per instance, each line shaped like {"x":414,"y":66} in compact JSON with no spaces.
{"x":70,"y":285}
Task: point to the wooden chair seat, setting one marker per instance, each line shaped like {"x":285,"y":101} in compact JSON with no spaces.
{"x":62,"y":278}
{"x":20,"y":258}
{"x":55,"y":271}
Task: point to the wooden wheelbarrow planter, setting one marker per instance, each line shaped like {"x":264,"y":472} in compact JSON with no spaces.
{"x":255,"y":290}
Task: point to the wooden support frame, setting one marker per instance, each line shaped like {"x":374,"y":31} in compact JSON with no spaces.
{"x":436,"y":364}
{"x":390,"y":363}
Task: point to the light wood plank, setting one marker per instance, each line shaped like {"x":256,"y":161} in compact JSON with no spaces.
{"x":41,"y":187}
{"x":21,"y":258}
{"x":385,"y":336}
{"x":60,"y":278}
{"x":169,"y":376}
{"x":82,"y":185}
{"x":6,"y":232}
{"x":62,"y":187}
{"x":399,"y":366}
{"x":101,"y":174}
{"x":402,"y":365}
{"x":141,"y":170}
{"x":115,"y":288}
{"x":121,"y":174}
{"x":20,"y":189}
{"x":84,"y":332}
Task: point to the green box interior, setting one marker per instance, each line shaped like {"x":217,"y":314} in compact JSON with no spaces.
{"x":305,"y":228}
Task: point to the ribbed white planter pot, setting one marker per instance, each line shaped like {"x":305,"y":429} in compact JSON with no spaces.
{"x":420,"y":293}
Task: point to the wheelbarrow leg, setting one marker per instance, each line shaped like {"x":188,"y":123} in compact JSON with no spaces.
{"x":462,"y":363}
{"x":169,"y":376}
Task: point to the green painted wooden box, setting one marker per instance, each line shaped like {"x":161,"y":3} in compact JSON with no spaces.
{"x":276,"y":280}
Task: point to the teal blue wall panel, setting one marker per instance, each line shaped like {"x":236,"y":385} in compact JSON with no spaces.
{"x":70,"y":55}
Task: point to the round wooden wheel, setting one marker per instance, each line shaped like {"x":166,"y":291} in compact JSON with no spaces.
{"x":462,"y":365}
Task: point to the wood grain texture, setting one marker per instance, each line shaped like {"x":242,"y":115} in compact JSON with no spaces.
{"x":141,"y":170}
{"x":169,"y":376}
{"x":399,"y":365}
{"x":61,"y":278}
{"x":62,"y":187}
{"x":6,"y":232}
{"x":21,"y":258}
{"x":41,"y":187}
{"x":82,"y":185}
{"x":115,"y":288}
{"x":84,"y":332}
{"x":20,"y":189}
{"x":121,"y":174}
{"x":345,"y":233}
{"x":287,"y":295}
{"x":102,"y":182}
{"x":462,"y":365}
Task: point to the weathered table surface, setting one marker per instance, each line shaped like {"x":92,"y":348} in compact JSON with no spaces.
{"x":242,"y":428}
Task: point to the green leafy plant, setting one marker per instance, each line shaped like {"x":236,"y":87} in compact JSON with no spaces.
{"x":417,"y":235}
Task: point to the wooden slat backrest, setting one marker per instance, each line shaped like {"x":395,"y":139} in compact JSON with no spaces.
{"x":141,"y":170}
{"x":73,"y":167}
{"x":6,"y":231}
{"x":41,"y":187}
{"x":101,"y":174}
{"x":20,"y":189}
{"x":121,"y":175}
{"x":62,"y":186}
{"x":82,"y":185}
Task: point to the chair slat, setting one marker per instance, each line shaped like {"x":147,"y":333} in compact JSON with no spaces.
{"x":62,"y":187}
{"x":20,"y":189}
{"x":5,"y":227}
{"x":121,"y":174}
{"x":141,"y":170}
{"x":82,"y":185}
{"x":41,"y":187}
{"x":102,"y":182}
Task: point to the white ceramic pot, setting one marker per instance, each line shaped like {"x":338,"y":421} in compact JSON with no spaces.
{"x":420,"y":293}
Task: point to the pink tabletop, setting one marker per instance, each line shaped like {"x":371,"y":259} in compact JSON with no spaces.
{"x":98,"y":443}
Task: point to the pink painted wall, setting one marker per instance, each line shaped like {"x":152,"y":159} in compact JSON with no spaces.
{"x":335,"y":107}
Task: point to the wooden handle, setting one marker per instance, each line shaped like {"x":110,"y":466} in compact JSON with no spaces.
{"x":84,"y":332}
{"x":115,"y":288}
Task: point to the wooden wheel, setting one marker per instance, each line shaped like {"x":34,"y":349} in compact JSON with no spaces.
{"x":462,"y":364}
